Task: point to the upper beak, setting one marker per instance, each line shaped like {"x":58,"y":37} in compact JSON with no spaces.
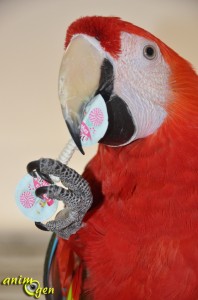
{"x":79,"y":79}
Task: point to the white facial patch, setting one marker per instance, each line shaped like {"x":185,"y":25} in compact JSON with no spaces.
{"x":142,"y":83}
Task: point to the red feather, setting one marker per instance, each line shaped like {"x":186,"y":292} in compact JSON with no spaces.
{"x":65,"y":265}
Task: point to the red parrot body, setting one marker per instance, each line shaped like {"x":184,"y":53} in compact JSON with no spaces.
{"x":140,"y":240}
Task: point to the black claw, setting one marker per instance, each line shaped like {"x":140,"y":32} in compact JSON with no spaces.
{"x":35,"y":166}
{"x":45,"y":177}
{"x":32,"y":166}
{"x":40,"y":226}
{"x":41,"y":191}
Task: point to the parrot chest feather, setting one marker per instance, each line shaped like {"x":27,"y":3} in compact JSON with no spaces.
{"x":142,"y":233}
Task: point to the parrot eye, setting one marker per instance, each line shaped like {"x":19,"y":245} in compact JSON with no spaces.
{"x":149,"y":52}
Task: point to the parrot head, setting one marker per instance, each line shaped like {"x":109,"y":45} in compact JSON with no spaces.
{"x":142,"y":81}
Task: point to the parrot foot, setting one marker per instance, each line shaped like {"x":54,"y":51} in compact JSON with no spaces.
{"x":77,"y":197}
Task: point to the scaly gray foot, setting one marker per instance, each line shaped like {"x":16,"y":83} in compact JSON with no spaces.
{"x":77,"y":197}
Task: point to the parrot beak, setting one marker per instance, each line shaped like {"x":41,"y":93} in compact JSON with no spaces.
{"x":79,"y":79}
{"x":84,"y":73}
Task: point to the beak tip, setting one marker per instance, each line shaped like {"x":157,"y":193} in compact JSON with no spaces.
{"x":75,"y":133}
{"x":81,"y":150}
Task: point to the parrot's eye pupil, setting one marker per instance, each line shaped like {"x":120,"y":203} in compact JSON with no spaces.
{"x":149,"y":52}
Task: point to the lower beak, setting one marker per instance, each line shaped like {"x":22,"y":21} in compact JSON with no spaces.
{"x":79,"y":79}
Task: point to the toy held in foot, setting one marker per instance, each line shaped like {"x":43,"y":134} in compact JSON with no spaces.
{"x":33,"y":207}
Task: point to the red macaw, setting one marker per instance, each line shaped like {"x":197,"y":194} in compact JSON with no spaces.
{"x":139,"y":239}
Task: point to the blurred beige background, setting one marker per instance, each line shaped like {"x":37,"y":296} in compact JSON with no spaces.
{"x":31,"y":46}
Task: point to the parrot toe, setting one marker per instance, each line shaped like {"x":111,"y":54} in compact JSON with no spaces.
{"x":33,"y":167}
{"x":77,"y":196}
{"x":41,"y":226}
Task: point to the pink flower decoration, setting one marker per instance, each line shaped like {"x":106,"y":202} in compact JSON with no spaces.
{"x":27,"y":200}
{"x":96,"y":116}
